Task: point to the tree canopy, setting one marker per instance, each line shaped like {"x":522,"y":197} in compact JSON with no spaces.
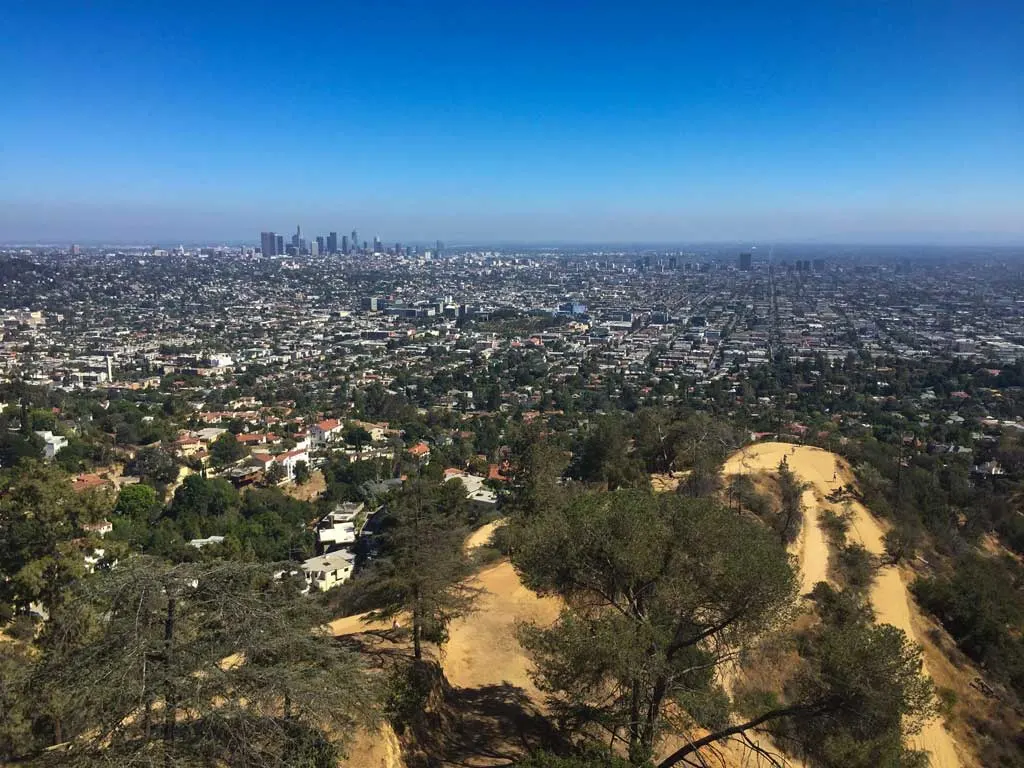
{"x":659,"y":591}
{"x":192,"y":664}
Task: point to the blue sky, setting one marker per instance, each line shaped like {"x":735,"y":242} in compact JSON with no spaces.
{"x":532,"y":121}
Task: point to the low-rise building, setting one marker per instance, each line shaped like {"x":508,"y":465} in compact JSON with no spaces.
{"x":52,"y":444}
{"x":338,"y":527}
{"x":329,"y":570}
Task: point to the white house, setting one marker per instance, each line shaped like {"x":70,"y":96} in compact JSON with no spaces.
{"x":101,"y":528}
{"x":220,"y":360}
{"x":326,"y":571}
{"x":324,"y":432}
{"x":290,"y":459}
{"x":338,"y":527}
{"x":477,"y":493}
{"x":52,"y":443}
{"x":200,"y":543}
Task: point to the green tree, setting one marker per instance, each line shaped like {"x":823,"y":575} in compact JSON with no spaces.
{"x":202,"y":506}
{"x":659,"y":590}
{"x":302,"y":473}
{"x":604,"y":456}
{"x":137,"y":502}
{"x":536,"y":466}
{"x":275,"y":473}
{"x":214,"y":664}
{"x":42,"y":538}
{"x":902,"y":541}
{"x":155,"y":466}
{"x":358,"y":438}
{"x":226,"y":450}
{"x":15,"y":446}
{"x":789,"y":517}
{"x":425,"y":568}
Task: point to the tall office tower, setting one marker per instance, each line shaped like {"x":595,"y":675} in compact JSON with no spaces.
{"x":332,"y":242}
{"x":439,"y":250}
{"x":268,"y":243}
{"x":344,"y":244}
{"x":297,"y":238}
{"x":745,"y":262}
{"x":355,"y":241}
{"x":279,"y":245}
{"x":321,"y":245}
{"x":376,"y":244}
{"x":398,"y":249}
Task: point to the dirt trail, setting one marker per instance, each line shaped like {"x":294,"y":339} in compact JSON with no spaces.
{"x":810,"y":548}
{"x":353,"y":625}
{"x":825,"y":472}
{"x":482,"y":535}
{"x":482,"y":649}
{"x":486,"y":667}
{"x":377,"y":748}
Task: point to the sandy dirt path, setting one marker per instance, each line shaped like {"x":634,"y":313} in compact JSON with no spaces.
{"x":482,"y":648}
{"x":890,"y":599}
{"x":481,"y":651}
{"x":374,"y":748}
{"x":810,"y":547}
{"x":889,"y":596}
{"x":482,"y":535}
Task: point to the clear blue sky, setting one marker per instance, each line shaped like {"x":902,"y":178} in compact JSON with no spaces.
{"x":534,"y":121}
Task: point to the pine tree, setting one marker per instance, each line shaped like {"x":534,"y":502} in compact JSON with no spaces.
{"x":193,"y":664}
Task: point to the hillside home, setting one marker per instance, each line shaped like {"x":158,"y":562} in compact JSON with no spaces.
{"x":329,"y":570}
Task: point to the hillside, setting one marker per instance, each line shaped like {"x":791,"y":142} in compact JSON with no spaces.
{"x":489,"y":672}
{"x":825,"y":472}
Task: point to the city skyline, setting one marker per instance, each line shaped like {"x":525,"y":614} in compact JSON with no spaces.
{"x":895,"y":124}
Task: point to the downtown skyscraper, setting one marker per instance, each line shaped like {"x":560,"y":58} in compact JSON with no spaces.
{"x":268,"y":243}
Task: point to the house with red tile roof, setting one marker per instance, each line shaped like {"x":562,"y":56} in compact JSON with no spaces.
{"x":324,"y":432}
{"x":85,"y":482}
{"x":420,"y":451}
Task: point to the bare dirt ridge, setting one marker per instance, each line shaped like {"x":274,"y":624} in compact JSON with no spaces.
{"x":825,"y":472}
{"x":500,"y":708}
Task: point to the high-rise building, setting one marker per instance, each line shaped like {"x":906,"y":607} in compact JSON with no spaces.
{"x":297,"y":239}
{"x":332,"y":242}
{"x":439,"y":250}
{"x":344,"y":244}
{"x":321,"y":245}
{"x":76,"y":249}
{"x":746,"y":262}
{"x":376,"y":244}
{"x":314,"y":247}
{"x":355,"y":241}
{"x":268,"y":243}
{"x":278,"y":245}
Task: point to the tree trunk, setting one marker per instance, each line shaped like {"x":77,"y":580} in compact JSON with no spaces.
{"x":169,"y":701}
{"x":650,"y":725}
{"x":417,"y":650}
{"x":635,"y":746}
